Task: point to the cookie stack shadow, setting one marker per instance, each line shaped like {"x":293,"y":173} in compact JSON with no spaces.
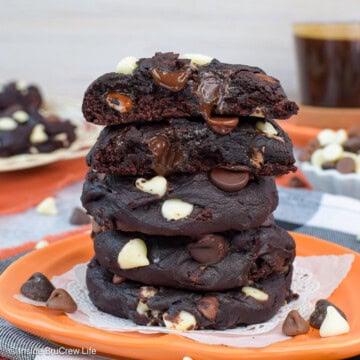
{"x":181,"y":190}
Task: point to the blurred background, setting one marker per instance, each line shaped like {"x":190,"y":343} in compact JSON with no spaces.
{"x":64,"y":45}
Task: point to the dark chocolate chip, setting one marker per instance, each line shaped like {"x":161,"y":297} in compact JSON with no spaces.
{"x":346,"y":165}
{"x":119,"y":102}
{"x":352,"y":144}
{"x":79,"y":217}
{"x":208,"y":306}
{"x":61,"y":300}
{"x":295,"y":324}
{"x":209,"y":249}
{"x":297,"y":182}
{"x":318,"y":315}
{"x":229,"y":181}
{"x":328,"y":165}
{"x":307,"y":151}
{"x":166,"y":154}
{"x":171,"y":80}
{"x":38,"y":287}
{"x":222,"y":126}
{"x":354,"y":131}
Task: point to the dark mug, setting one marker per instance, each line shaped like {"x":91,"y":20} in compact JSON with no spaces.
{"x":329,"y":63}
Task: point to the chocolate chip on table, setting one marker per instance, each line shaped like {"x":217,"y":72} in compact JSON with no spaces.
{"x":346,"y":165}
{"x":61,"y":300}
{"x":228,"y":180}
{"x":209,"y":249}
{"x":295,"y":324}
{"x":38,"y":287}
{"x":79,"y":217}
{"x":318,"y":315}
{"x":297,"y":182}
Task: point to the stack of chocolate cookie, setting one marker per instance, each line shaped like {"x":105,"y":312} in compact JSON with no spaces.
{"x":181,"y":191}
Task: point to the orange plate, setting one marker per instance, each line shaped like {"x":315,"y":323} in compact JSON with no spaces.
{"x":326,"y":117}
{"x":63,"y":255}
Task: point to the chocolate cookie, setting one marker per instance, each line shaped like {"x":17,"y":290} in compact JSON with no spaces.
{"x":185,"y":310}
{"x":19,"y":93}
{"x":27,"y":131}
{"x":180,"y":205}
{"x":211,"y":262}
{"x":166,"y":86}
{"x":185,"y":146}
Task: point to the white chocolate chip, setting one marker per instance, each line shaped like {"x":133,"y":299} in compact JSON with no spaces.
{"x":133,"y":255}
{"x":266,"y":128}
{"x":317,"y":158}
{"x":127,"y":65}
{"x":33,"y":150}
{"x":155,"y":186}
{"x":176,"y":209}
{"x":21,"y":85}
{"x":20,"y":116}
{"x":326,"y":137}
{"x":41,"y":244}
{"x":187,"y":358}
{"x":147,"y":292}
{"x":47,"y":207}
{"x":7,"y":124}
{"x":255,"y":293}
{"x":61,"y":137}
{"x":183,"y":321}
{"x":142,"y":308}
{"x":333,"y":324}
{"x":258,"y":112}
{"x":341,"y":136}
{"x":38,"y":134}
{"x":332,"y":152}
{"x":197,"y":59}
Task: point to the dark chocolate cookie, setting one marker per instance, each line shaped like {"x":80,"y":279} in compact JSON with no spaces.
{"x":211,"y":262}
{"x":166,"y":86}
{"x":185,"y":310}
{"x":184,"y":146}
{"x":180,"y":205}
{"x":19,"y":93}
{"x":27,"y":131}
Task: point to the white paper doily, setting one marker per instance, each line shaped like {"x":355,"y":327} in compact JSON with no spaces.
{"x":311,"y":281}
